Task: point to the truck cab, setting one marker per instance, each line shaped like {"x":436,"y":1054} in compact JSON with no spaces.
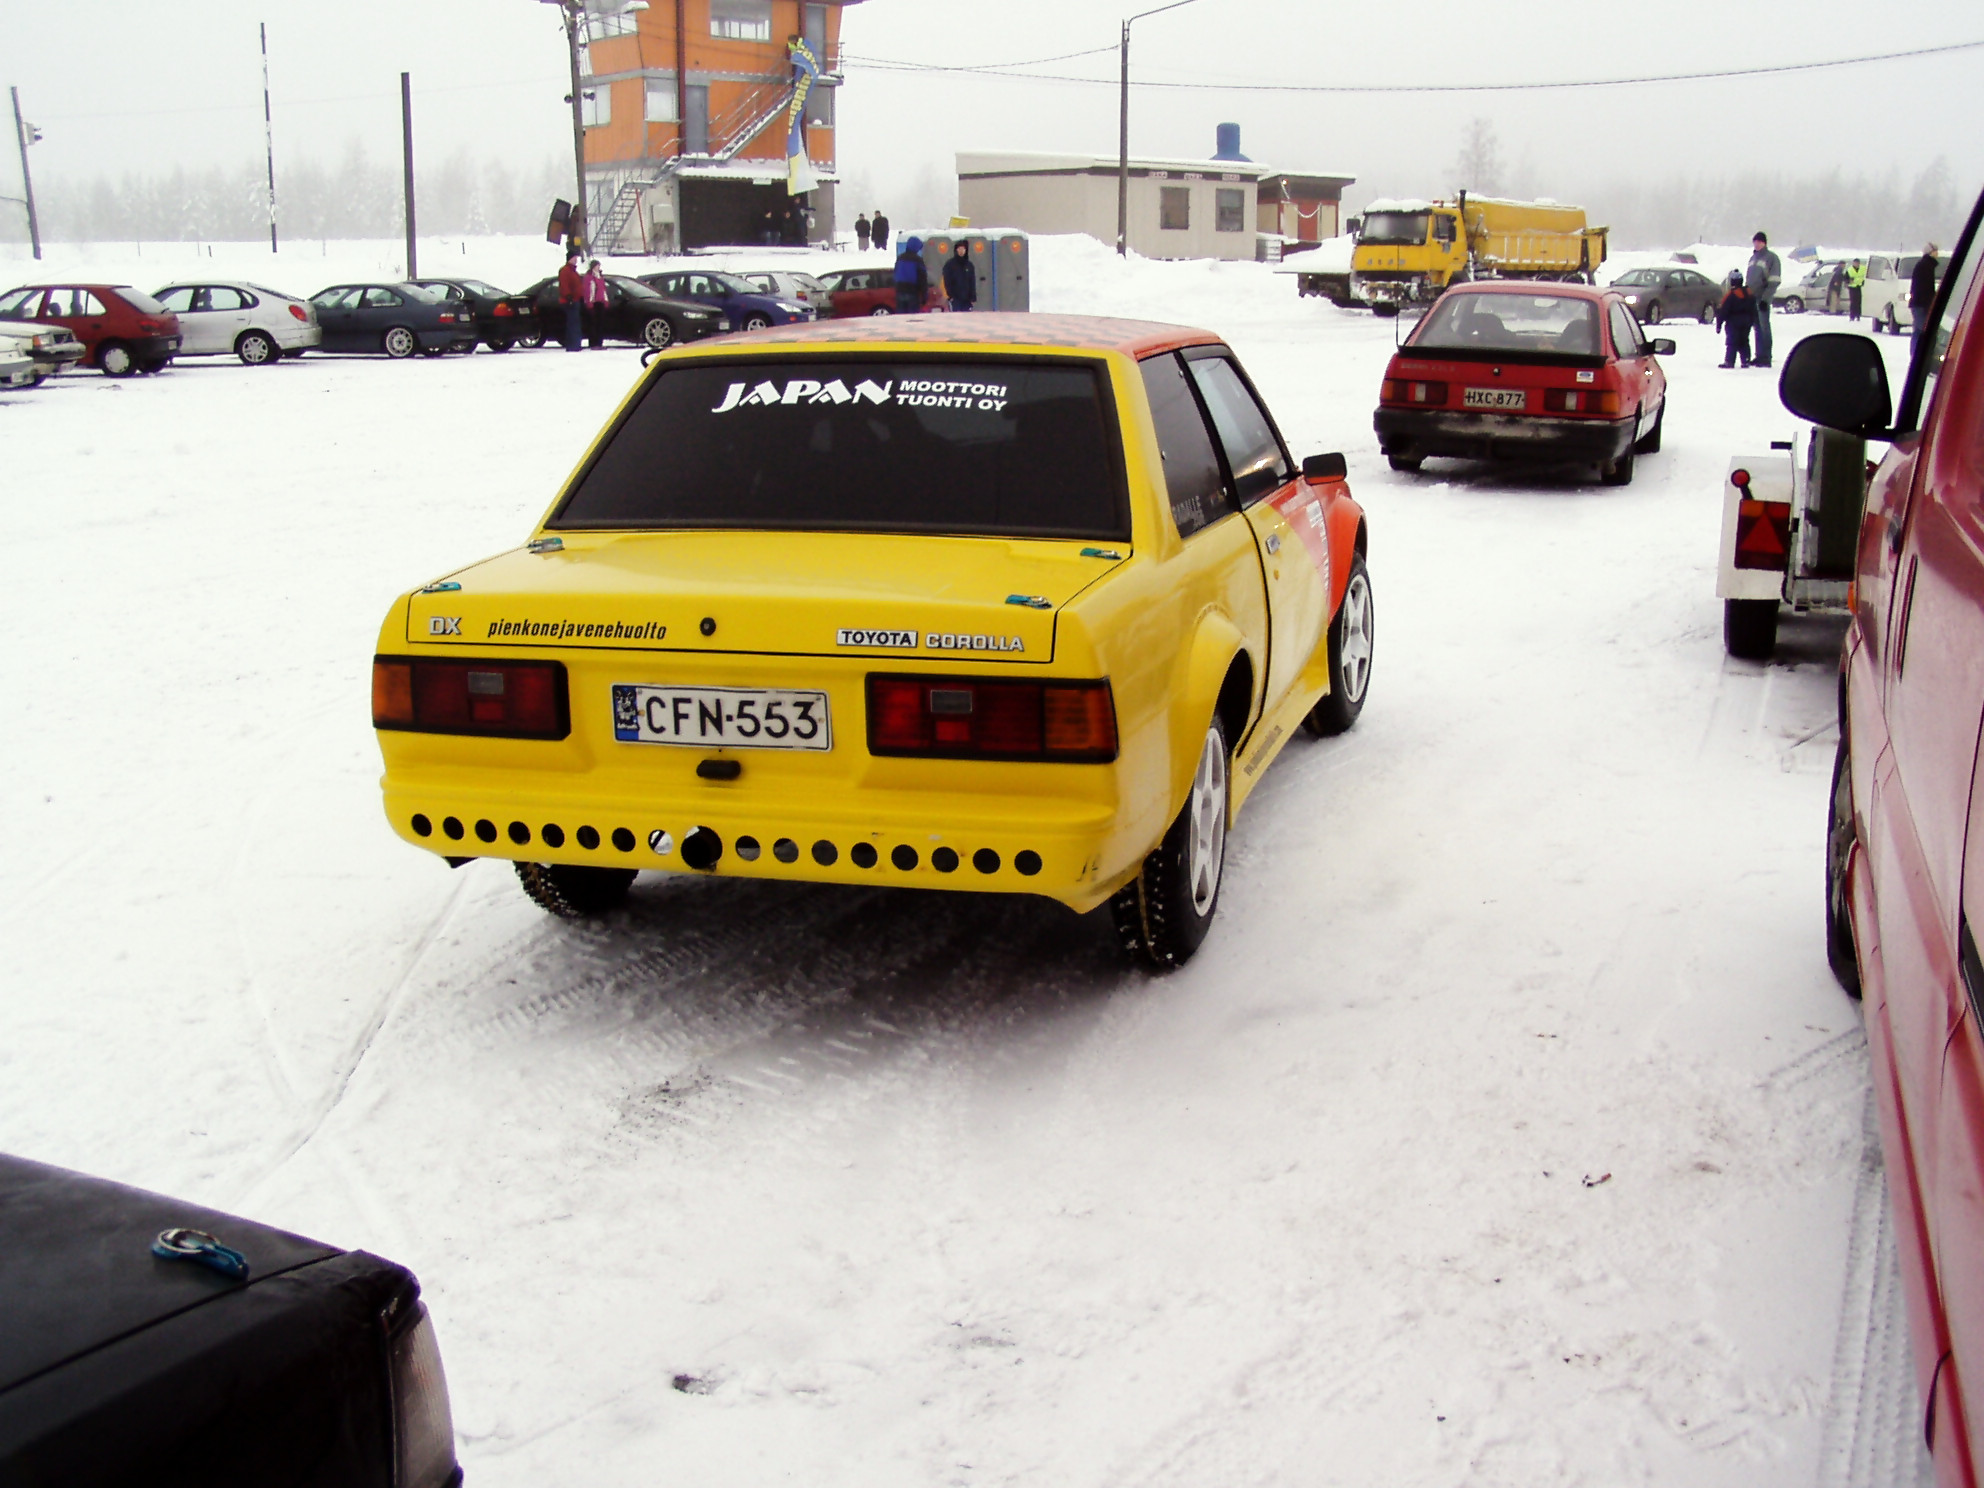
{"x":1407,"y":250}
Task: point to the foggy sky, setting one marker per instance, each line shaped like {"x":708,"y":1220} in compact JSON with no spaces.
{"x":182,"y":84}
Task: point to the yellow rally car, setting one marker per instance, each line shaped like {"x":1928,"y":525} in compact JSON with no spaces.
{"x":1007,"y":603}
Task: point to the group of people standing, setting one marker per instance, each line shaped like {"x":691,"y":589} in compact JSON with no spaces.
{"x":1745,"y":306}
{"x":582,"y":299}
{"x":912,"y":278}
{"x":873,"y":229}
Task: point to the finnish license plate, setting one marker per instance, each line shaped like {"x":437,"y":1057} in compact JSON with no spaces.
{"x":721,"y":717}
{"x":1493,"y":398}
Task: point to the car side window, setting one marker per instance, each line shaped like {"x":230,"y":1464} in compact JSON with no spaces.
{"x":179,"y":300}
{"x":1193,"y":481}
{"x":1625,"y":332}
{"x":381,"y":299}
{"x":1253,"y":449}
{"x":220,"y":297}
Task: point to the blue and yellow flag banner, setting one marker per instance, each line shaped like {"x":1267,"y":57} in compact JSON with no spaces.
{"x":799,"y":177}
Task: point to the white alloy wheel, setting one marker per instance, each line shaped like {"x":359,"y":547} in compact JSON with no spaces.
{"x":256,"y":349}
{"x":658,"y":332}
{"x":1207,"y":844}
{"x":881,"y":310}
{"x":116,"y":360}
{"x":1356,"y":653}
{"x":400,"y":342}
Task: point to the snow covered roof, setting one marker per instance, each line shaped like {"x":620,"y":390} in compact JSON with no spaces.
{"x":1399,"y":204}
{"x":1049,"y":162}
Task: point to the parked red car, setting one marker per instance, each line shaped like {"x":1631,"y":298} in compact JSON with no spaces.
{"x":123,"y":330}
{"x":1905,"y":839}
{"x":1516,"y":370}
{"x":868,"y":292}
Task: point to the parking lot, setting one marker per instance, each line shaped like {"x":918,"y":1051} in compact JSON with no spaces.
{"x":1509,"y":1129}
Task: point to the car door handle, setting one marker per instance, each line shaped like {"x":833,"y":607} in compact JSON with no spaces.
{"x":1274,"y":543}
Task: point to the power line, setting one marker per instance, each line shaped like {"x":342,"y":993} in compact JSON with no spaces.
{"x":847,"y":56}
{"x":1617,"y":82}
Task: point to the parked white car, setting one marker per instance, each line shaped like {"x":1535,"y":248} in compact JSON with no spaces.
{"x":16,"y":366}
{"x":50,"y":348}
{"x":1822,"y":288}
{"x":226,"y":316}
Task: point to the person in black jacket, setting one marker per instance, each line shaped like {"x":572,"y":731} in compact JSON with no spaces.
{"x":1735,"y":317}
{"x":912,"y":278}
{"x":861,"y":231}
{"x":960,"y":278}
{"x":1921,"y":294}
{"x":878,"y":228}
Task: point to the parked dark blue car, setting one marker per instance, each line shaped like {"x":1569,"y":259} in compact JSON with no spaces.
{"x":397,"y":319}
{"x":744,"y":307}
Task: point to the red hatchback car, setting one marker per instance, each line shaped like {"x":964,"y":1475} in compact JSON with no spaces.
{"x":1543,"y":372}
{"x":1905,"y":840}
{"x":868,"y":292}
{"x":123,"y":330}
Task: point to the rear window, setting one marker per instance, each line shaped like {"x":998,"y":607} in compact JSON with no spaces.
{"x":1510,"y":322}
{"x":991,"y":447}
{"x":141,"y":302}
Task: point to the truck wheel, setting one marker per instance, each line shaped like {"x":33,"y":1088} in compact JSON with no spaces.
{"x":1749,"y":628}
{"x":1618,"y":472}
{"x":1349,"y":641}
{"x":572,"y":892}
{"x":1408,"y":463}
{"x":1162,"y":915}
{"x":1840,"y":955}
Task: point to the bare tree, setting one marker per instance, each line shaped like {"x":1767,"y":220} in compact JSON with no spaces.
{"x":1479,"y":166}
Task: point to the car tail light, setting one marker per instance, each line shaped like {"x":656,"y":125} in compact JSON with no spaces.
{"x":299,"y":312}
{"x":503,"y":308}
{"x":423,"y":1425}
{"x":1763,"y":530}
{"x":981,"y":718}
{"x":150,"y":323}
{"x":503,"y":699}
{"x":1401,"y":390}
{"x":1580,"y":400}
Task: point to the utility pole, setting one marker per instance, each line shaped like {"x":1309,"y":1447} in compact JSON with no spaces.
{"x":269,"y":136}
{"x":22,"y":131}
{"x":406,"y":134}
{"x":576,"y":230}
{"x":1123,"y":133}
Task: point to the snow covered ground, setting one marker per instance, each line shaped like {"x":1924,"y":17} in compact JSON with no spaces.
{"x":1508,"y":1129}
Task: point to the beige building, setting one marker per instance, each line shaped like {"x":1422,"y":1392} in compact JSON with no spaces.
{"x":1177,"y":208}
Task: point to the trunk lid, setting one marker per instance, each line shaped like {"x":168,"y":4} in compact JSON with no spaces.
{"x":768,"y":593}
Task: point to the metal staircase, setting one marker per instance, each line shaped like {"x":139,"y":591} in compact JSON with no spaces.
{"x":729,"y":133}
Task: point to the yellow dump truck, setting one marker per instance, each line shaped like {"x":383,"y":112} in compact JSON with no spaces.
{"x":1411,"y":250}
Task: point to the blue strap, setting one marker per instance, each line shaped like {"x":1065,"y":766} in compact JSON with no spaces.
{"x":200,"y":1247}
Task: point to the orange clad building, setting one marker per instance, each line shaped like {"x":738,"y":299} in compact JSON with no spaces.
{"x":686,"y":106}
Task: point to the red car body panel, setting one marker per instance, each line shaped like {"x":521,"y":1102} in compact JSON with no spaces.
{"x":870,"y":290}
{"x":148,"y":334}
{"x":1913,"y":700}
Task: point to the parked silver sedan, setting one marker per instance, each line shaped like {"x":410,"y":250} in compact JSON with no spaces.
{"x":222,"y":317}
{"x":51,"y":348}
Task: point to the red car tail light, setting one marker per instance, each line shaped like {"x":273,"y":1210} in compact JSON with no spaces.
{"x":1402,"y":390}
{"x":985,"y":718}
{"x":503,"y":308}
{"x":151,"y":323}
{"x":298,"y":312}
{"x":1763,"y":532}
{"x":1580,"y":400}
{"x":502,"y":699}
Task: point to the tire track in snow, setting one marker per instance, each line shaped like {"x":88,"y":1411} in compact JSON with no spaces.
{"x":1872,"y":1430}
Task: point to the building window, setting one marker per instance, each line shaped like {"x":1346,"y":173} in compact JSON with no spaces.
{"x":661,"y":101}
{"x":1174,"y":208}
{"x":600,"y":26}
{"x":741,"y":20}
{"x":596,"y":105}
{"x":1229,"y":209}
{"x":820,"y":105}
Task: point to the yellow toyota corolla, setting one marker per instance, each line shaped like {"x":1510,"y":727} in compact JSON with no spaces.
{"x":1002,"y":603}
